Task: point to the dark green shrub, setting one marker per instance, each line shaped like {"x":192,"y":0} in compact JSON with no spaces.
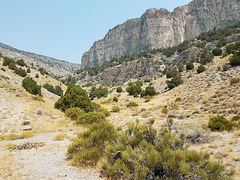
{"x":189,"y":65}
{"x":181,"y":67}
{"x":235,"y":59}
{"x":119,"y":89}
{"x":219,"y":123}
{"x":149,"y":91}
{"x":98,"y":92}
{"x":201,"y":69}
{"x":132,"y":104}
{"x":115,"y":109}
{"x":49,"y":87}
{"x":74,"y":97}
{"x":236,"y":118}
{"x":20,"y":72}
{"x":21,"y":63}
{"x":115,"y":99}
{"x":91,"y":117}
{"x":136,"y":95}
{"x":139,"y":83}
{"x":217,"y":52}
{"x":233,"y":48}
{"x":57,"y":90}
{"x":73,"y":113}
{"x":206,"y":57}
{"x":234,"y":81}
{"x":172,"y":73}
{"x":36,"y":76}
{"x":43,"y":71}
{"x":31,"y":86}
{"x":175,"y":81}
{"x":221,"y":42}
{"x":134,"y":89}
{"x":225,"y":67}
{"x":3,"y":69}
{"x":28,"y":70}
{"x":7,"y":61}
{"x":12,"y":66}
{"x":146,"y":80}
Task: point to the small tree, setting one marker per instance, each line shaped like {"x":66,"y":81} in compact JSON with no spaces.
{"x":149,"y":91}
{"x":28,"y":70}
{"x":74,"y":97}
{"x":189,"y":65}
{"x":181,"y":67}
{"x":119,"y":89}
{"x":36,"y":76}
{"x":217,"y":52}
{"x":20,"y":72}
{"x":175,"y":81}
{"x":12,"y":66}
{"x":206,"y":57}
{"x":20,"y":62}
{"x":171,"y":73}
{"x":31,"y":86}
{"x":115,"y":99}
{"x":235,"y":59}
{"x":201,"y":69}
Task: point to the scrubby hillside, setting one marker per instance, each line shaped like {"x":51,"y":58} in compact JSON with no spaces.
{"x":33,"y":135}
{"x":190,"y":105}
{"x":56,"y":67}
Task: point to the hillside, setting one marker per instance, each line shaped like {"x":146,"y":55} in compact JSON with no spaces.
{"x":158,"y":28}
{"x":37,"y":150}
{"x":199,"y":97}
{"x":56,"y":67}
{"x":151,"y":64}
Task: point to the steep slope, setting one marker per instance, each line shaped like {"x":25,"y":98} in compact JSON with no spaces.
{"x":200,"y":97}
{"x":56,"y":67}
{"x":158,"y":28}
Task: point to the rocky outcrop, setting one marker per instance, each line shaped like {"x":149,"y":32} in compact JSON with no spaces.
{"x":141,"y":68}
{"x":158,"y":28}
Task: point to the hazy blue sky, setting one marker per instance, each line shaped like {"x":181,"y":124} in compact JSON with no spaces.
{"x":65,"y":29}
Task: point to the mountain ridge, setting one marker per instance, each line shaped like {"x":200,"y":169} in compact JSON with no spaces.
{"x":158,"y":28}
{"x":53,"y":65}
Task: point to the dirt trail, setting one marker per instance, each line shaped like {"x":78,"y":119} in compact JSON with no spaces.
{"x":45,"y":162}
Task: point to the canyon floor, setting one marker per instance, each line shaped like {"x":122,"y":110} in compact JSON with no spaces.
{"x":38,"y":150}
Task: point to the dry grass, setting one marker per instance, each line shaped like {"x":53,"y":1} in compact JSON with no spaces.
{"x":11,"y":137}
{"x":10,"y":146}
{"x":27,"y":134}
{"x":59,"y":137}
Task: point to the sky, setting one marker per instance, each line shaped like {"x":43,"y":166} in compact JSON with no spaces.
{"x":65,"y":29}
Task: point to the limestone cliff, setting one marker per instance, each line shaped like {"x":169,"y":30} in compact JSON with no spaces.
{"x":158,"y":28}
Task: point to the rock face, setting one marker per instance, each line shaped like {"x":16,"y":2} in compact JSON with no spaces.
{"x":158,"y":28}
